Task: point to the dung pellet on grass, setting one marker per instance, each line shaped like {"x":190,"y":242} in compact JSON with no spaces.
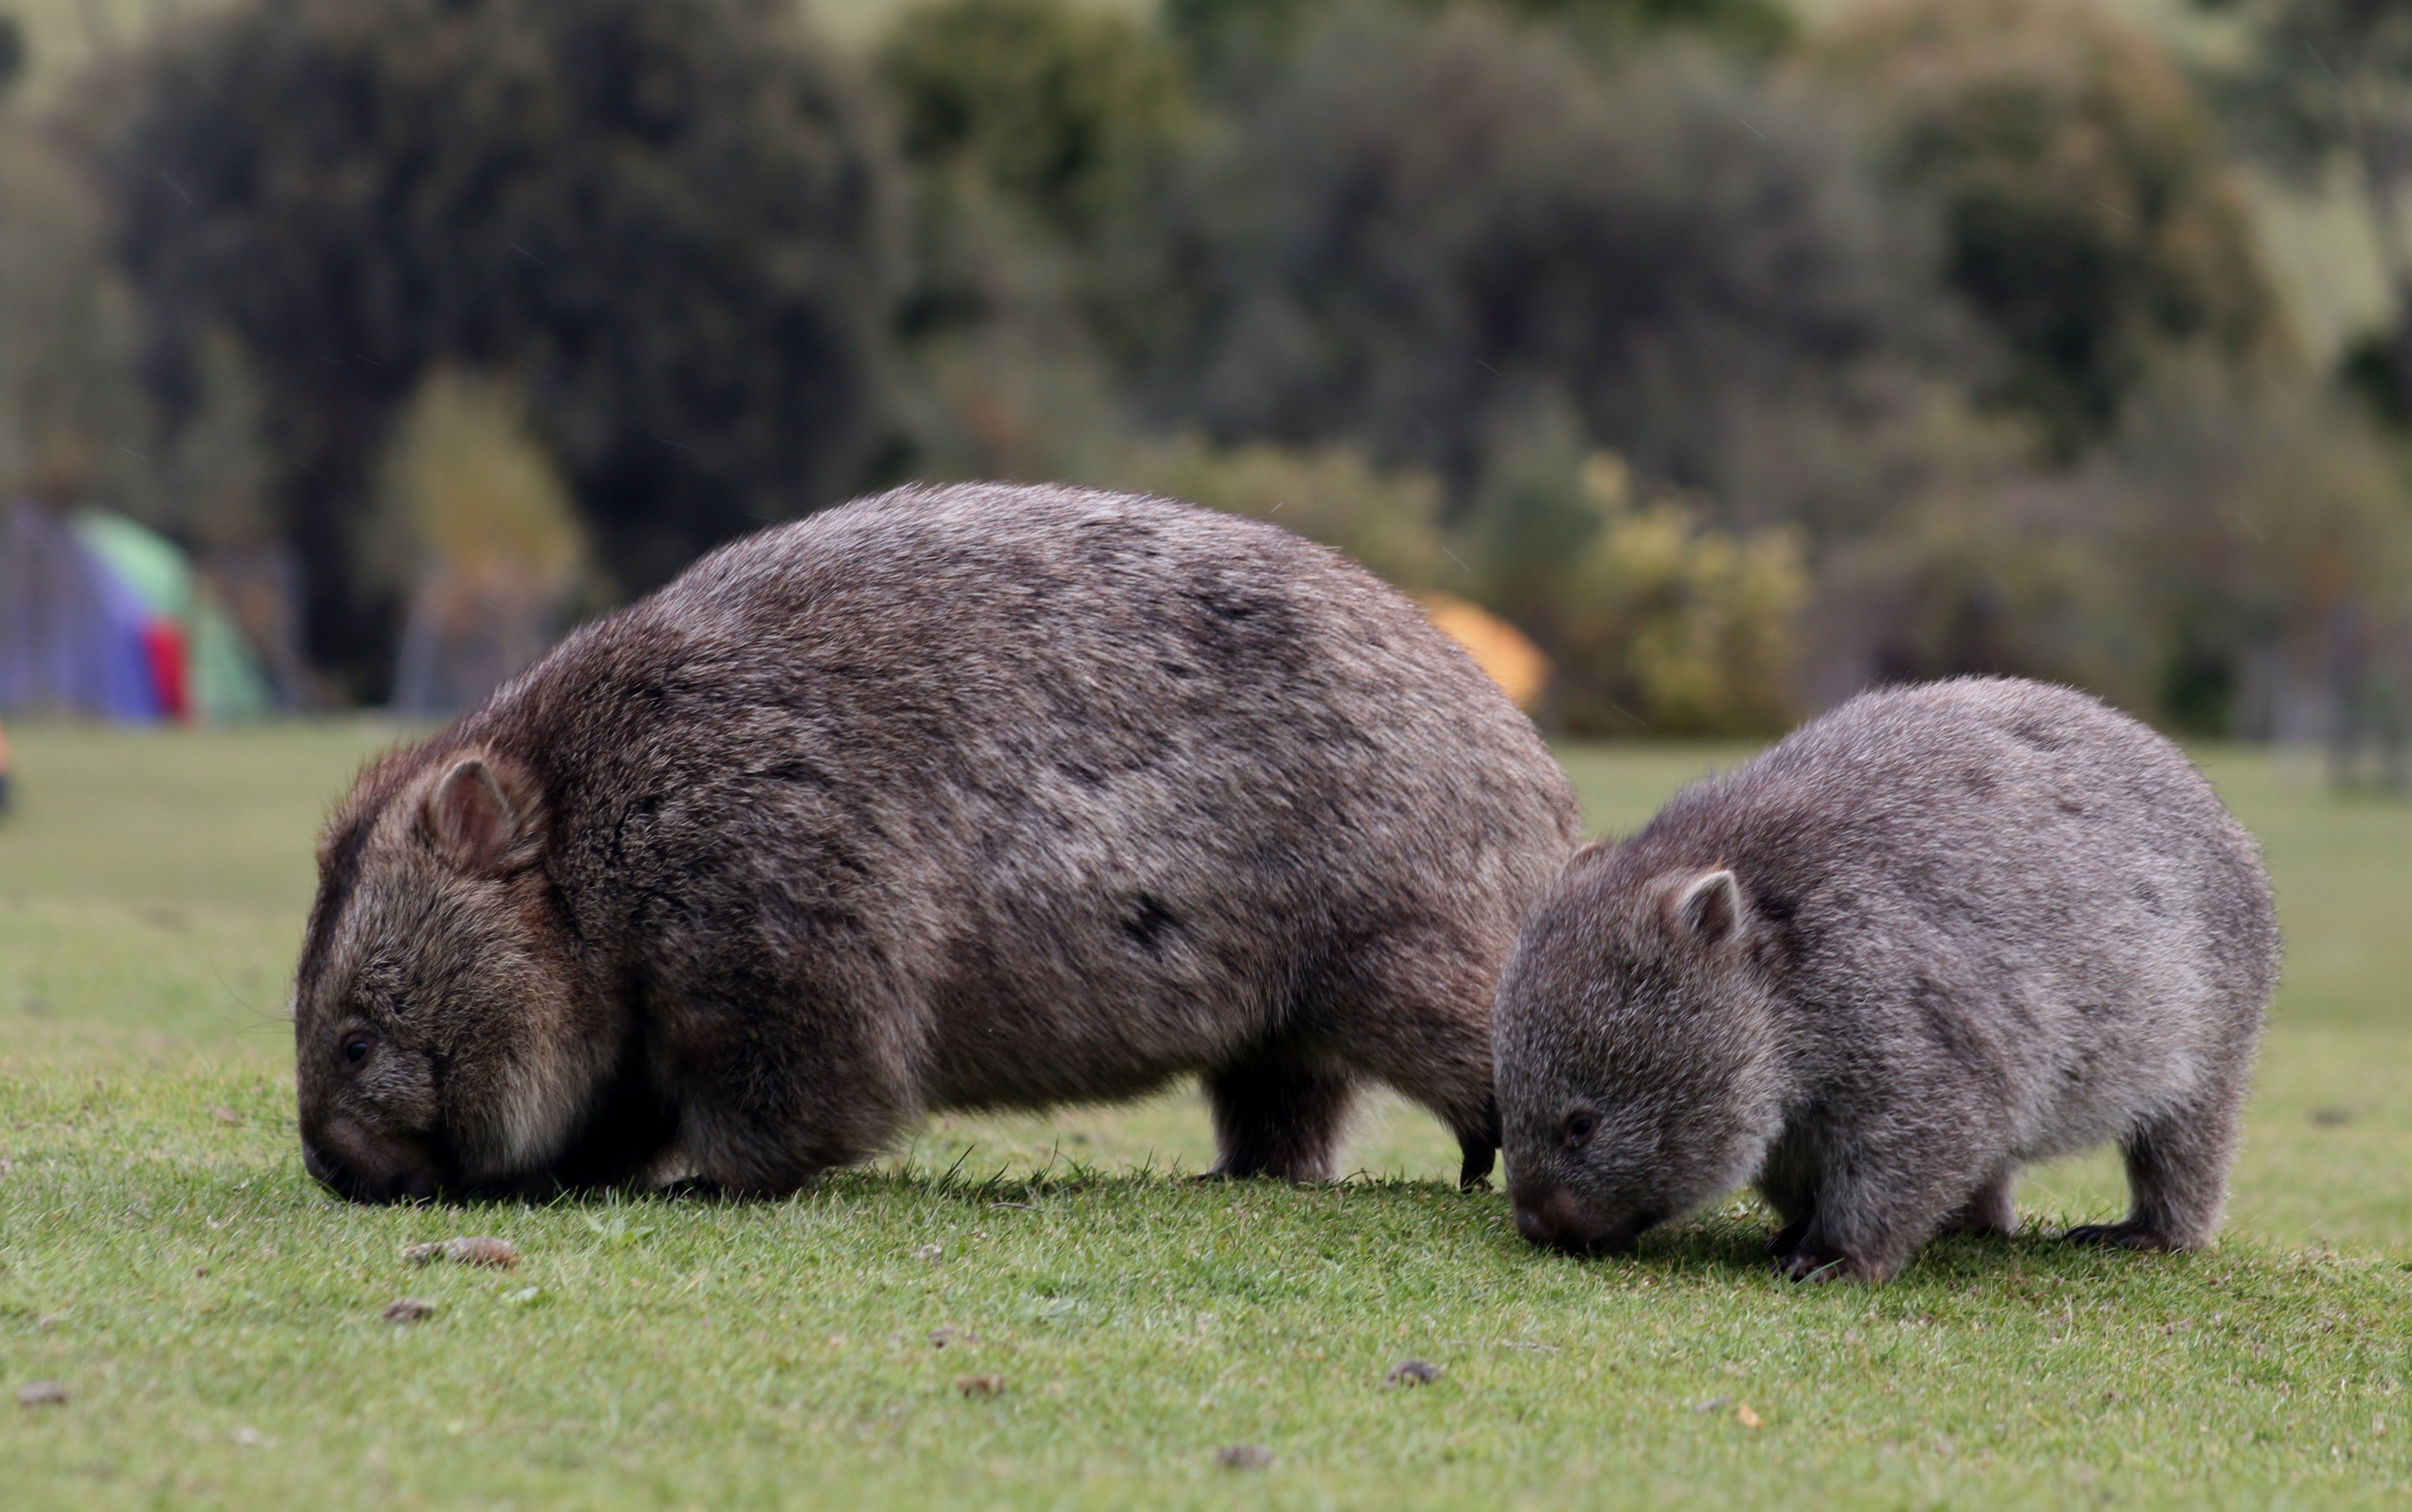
{"x":980,"y":1387}
{"x":1244,"y":1457}
{"x":497,"y":1253}
{"x":42,"y":1394}
{"x":1413,"y":1372}
{"x":409,"y":1310}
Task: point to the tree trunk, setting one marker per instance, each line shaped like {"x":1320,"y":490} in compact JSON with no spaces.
{"x":350,"y":616}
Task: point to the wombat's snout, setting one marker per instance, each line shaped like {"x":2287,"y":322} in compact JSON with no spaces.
{"x":363,"y":1167}
{"x":1560,"y":1220}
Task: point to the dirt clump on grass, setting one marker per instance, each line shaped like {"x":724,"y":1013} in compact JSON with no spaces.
{"x":497,"y":1253}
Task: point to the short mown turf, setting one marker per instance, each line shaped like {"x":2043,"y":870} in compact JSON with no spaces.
{"x":1043,"y":1312}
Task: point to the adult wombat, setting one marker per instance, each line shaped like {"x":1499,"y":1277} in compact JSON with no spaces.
{"x":967,"y":796}
{"x":1941,"y":932}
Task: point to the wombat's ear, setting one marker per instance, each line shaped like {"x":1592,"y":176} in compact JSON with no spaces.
{"x":481,"y":815}
{"x":1708,"y":908}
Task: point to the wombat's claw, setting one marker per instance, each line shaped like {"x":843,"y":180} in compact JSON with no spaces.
{"x":1807,"y":1268}
{"x":2123,"y":1236}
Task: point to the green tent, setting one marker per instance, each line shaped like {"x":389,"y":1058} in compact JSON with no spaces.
{"x":222,"y":677}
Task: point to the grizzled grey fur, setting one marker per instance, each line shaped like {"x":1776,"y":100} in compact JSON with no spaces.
{"x":1941,"y":932}
{"x":973,"y":797}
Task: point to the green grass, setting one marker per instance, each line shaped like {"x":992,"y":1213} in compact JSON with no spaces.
{"x":216,"y":1321}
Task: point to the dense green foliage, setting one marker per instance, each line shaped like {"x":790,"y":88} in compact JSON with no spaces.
{"x":1424,"y":236}
{"x":2088,"y":217}
{"x":670,"y":216}
{"x":1945,"y":303}
{"x":2325,"y":79}
{"x":1055,"y":107}
{"x":216,"y":1321}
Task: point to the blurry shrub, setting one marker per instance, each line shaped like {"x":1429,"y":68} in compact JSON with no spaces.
{"x":1383,"y":520}
{"x":1430,"y":231}
{"x":2004,"y":576}
{"x":482,"y":513}
{"x":667,"y":216}
{"x":2320,"y":81}
{"x":469,"y":486}
{"x":2089,"y":217}
{"x":2193,"y":569}
{"x":2249,"y":519}
{"x":1656,"y":619}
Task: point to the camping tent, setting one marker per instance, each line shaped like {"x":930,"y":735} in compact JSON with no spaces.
{"x":101,"y":617}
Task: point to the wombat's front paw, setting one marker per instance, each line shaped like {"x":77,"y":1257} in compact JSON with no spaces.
{"x":1822,"y":1262}
{"x":1807,"y":1263}
{"x":1474,"y":1171}
{"x":2125,"y":1235}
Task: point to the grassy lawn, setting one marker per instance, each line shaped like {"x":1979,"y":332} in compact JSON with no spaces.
{"x":215,"y":1322}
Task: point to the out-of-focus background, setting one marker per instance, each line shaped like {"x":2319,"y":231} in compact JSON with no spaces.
{"x":1700,"y":361}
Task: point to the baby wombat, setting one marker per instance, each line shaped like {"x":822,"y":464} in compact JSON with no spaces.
{"x":969,"y":796}
{"x":1937,"y":934}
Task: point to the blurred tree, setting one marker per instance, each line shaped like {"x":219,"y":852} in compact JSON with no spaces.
{"x":1430,"y":233}
{"x":71,"y":409}
{"x":2248,"y":521}
{"x":1226,"y":37}
{"x":1031,"y":126}
{"x":667,"y":218}
{"x":2089,"y":217}
{"x":12,"y":52}
{"x":2327,"y":77}
{"x":1055,"y":104}
{"x":484,"y":520}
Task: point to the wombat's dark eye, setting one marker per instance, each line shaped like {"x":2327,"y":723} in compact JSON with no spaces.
{"x":355,"y":1046}
{"x":1579,"y":1129}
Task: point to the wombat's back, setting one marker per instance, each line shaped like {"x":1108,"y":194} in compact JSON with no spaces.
{"x":1068,"y":790}
{"x":2060,"y":874}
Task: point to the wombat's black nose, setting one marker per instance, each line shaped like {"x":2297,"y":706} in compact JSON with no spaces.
{"x":361,"y":1167}
{"x":1561,"y":1221}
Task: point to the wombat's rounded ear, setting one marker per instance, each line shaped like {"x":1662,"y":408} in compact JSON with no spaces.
{"x":1708,"y":908}
{"x":481,"y":815}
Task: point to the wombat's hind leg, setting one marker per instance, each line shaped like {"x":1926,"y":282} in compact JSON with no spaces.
{"x":1989,"y":1209}
{"x":1277,"y":1116}
{"x":2177,"y":1179}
